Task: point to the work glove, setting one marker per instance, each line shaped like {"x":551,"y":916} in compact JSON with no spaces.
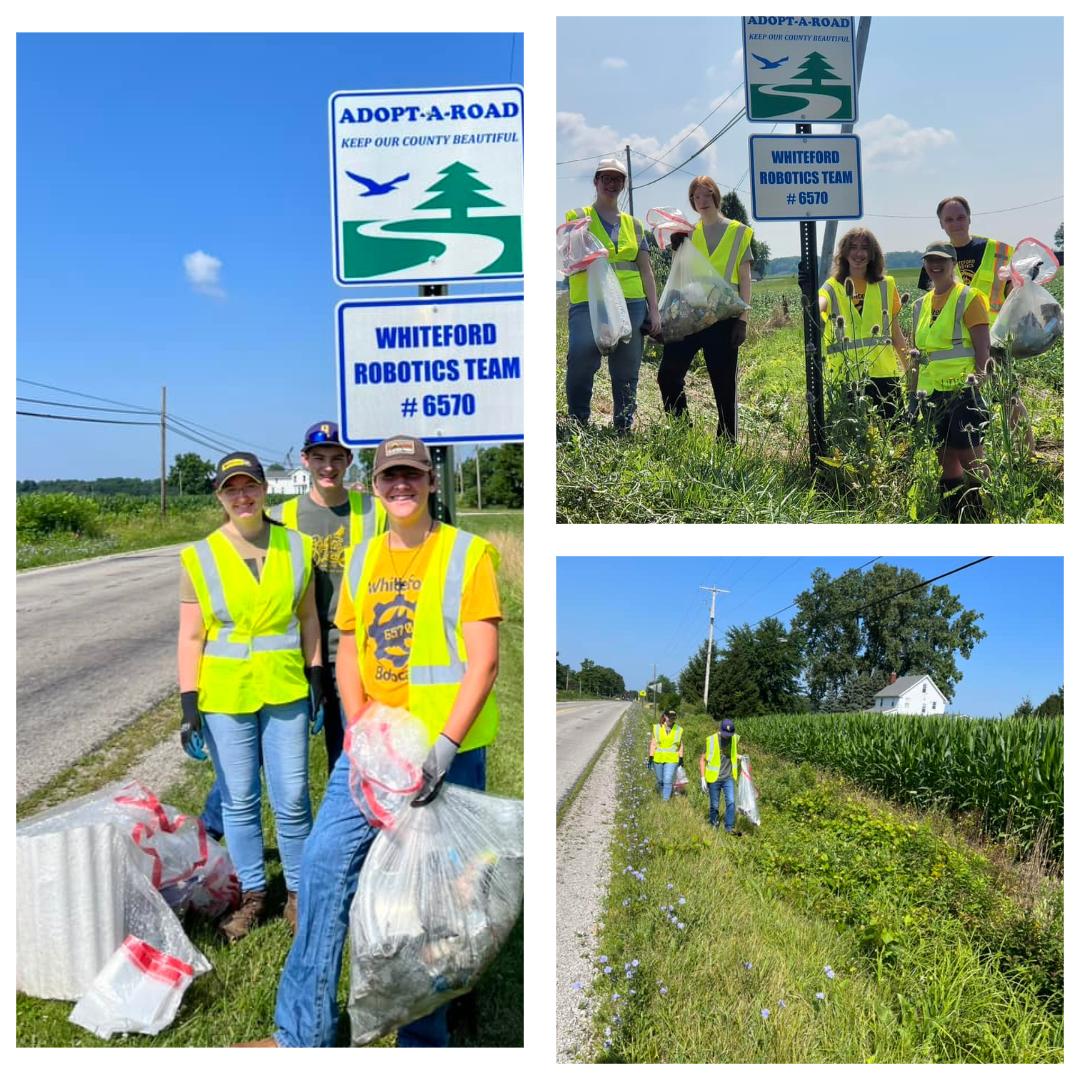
{"x":191,"y":737}
{"x":704,"y":787}
{"x":738,"y":332}
{"x":317,"y":695}
{"x":440,"y":758}
{"x":677,"y":240}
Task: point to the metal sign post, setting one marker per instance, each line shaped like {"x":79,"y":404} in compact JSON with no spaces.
{"x":808,"y":282}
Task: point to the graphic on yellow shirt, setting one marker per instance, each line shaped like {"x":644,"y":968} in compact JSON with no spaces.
{"x":328,"y":552}
{"x":391,"y":630}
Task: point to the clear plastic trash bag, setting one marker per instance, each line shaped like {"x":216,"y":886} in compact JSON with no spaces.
{"x":577,"y":246}
{"x":746,"y":792}
{"x":579,"y":250}
{"x":1030,"y":321}
{"x":679,"y":784}
{"x":138,"y":990}
{"x":666,"y":223}
{"x":438,"y":896}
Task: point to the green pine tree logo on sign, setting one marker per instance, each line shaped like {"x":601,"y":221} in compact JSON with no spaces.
{"x":795,"y":93}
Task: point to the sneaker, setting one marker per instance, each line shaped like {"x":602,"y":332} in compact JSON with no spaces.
{"x":289,"y":913}
{"x":239,"y":923}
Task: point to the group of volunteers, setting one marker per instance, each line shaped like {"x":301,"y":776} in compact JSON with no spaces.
{"x":718,"y":764}
{"x":290,"y":625}
{"x":938,"y":376}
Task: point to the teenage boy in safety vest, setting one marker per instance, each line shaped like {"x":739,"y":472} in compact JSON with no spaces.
{"x":666,"y":750}
{"x":396,"y":589}
{"x":719,"y":767}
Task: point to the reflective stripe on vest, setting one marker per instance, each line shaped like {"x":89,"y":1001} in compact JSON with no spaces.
{"x":730,"y":251}
{"x":995,"y":255}
{"x":621,"y":259}
{"x":841,"y":352}
{"x":713,"y":758}
{"x":366,"y":515}
{"x":667,"y":745}
{"x":955,"y":359}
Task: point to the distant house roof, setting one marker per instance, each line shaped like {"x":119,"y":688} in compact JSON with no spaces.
{"x":906,"y":683}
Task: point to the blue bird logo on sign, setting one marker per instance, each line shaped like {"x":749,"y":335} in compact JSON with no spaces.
{"x":766,"y":63}
{"x":375,"y":187}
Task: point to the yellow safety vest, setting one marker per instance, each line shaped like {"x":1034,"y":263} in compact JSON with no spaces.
{"x":621,"y":259}
{"x":251,"y":656}
{"x":713,"y":759}
{"x":995,"y":255}
{"x":437,"y":660}
{"x":667,"y":744}
{"x":946,"y":352}
{"x":367,"y":516}
{"x":728,"y":255}
{"x":857,"y":354}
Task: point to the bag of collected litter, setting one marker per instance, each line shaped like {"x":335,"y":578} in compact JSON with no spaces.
{"x":681,"y":781}
{"x":1031,"y":320}
{"x":138,"y":990}
{"x":746,"y":793}
{"x":580,"y":251}
{"x":696,"y":295}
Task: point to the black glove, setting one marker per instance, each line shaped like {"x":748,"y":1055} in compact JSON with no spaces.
{"x":317,"y":695}
{"x":191,"y":738}
{"x":677,"y":240}
{"x":738,"y":332}
{"x":440,"y":758}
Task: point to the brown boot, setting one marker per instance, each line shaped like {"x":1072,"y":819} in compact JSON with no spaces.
{"x":290,"y":912}
{"x":239,"y":923}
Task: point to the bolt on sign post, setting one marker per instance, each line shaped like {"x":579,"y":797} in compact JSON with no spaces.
{"x":801,"y":69}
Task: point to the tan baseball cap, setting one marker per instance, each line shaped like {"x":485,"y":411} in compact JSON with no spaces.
{"x":401,"y":450}
{"x":610,"y":164}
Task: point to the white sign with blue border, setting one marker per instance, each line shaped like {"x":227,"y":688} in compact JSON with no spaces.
{"x":805,"y":177}
{"x":445,"y":370}
{"x":426,"y":185}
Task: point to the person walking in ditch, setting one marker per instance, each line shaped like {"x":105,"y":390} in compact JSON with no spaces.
{"x":865,"y":349}
{"x":397,"y":589}
{"x":726,"y":244}
{"x":666,"y":750}
{"x":719,"y":767}
{"x":979,"y":260}
{"x":952,"y":346}
{"x":628,"y":254}
{"x":250,"y":670}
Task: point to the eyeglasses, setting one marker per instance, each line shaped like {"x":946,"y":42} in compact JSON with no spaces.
{"x":248,"y":491}
{"x":611,"y":178}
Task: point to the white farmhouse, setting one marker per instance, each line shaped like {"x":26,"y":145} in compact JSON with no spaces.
{"x":913,"y":695}
{"x":287,"y":481}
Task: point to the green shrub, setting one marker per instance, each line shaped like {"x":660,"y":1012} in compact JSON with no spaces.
{"x":41,"y":514}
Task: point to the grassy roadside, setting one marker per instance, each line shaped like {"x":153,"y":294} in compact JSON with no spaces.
{"x":235,"y":1001}
{"x":842,"y":930}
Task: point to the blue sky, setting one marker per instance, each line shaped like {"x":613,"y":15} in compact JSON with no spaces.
{"x":629,"y":613}
{"x":136,"y":151}
{"x":941,"y":99}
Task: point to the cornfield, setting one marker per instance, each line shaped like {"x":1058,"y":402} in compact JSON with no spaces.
{"x":1011,"y":771}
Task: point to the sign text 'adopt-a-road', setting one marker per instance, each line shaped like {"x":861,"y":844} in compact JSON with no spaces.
{"x":445,"y":370}
{"x":426,"y":185}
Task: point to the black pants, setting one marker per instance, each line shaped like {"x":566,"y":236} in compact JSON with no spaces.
{"x":884,"y":395}
{"x":721,"y":362}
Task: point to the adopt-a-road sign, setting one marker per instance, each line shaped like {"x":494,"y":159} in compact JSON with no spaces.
{"x":426,"y":185}
{"x":799,"y":68}
{"x":805,"y":177}
{"x":446,"y":370}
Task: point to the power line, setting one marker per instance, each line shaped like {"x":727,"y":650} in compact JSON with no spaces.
{"x":723,"y":131}
{"x":794,"y":602}
{"x":591,"y":157}
{"x":87,"y":419}
{"x":69,"y":405}
{"x":91,"y":397}
{"x":982,"y":213}
{"x":232,"y":438}
{"x":912,"y":588}
{"x":195,"y":439}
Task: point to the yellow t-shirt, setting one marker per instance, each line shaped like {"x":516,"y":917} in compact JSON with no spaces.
{"x":977,"y":313}
{"x":858,"y":292}
{"x":386,"y":615}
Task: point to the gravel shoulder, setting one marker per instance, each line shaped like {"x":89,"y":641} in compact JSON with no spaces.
{"x":583,"y":845}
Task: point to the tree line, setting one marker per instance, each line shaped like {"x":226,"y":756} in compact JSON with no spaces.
{"x":591,"y":679}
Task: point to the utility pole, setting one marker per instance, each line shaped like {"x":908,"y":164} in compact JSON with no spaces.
{"x":708,"y":654}
{"x":163,"y":451}
{"x":629,"y":181}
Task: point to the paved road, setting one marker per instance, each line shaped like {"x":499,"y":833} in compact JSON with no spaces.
{"x":580,"y":728}
{"x":96,"y":648}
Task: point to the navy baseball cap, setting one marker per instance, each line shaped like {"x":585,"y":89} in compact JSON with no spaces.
{"x":324,"y":433}
{"x":727,"y":727}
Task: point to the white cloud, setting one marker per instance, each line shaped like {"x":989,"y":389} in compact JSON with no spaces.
{"x":891,"y":144}
{"x":737,"y":58}
{"x":204,"y":274}
{"x":614,"y":62}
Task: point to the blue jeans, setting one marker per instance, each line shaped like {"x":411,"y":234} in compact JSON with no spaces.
{"x":729,"y":803}
{"x":279,"y":733}
{"x":665,"y":777}
{"x":307,"y":1012}
{"x":583,"y":362}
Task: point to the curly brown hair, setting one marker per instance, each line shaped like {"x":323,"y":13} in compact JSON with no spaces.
{"x":875,"y":268}
{"x":706,"y":182}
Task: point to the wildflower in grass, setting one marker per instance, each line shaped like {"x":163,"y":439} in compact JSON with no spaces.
{"x":747,"y":965}
{"x":682,"y":899}
{"x":682,"y":926}
{"x":607,"y":1044}
{"x":632,"y":992}
{"x":663,"y":989}
{"x":607,"y":1030}
{"x":635,"y":962}
{"x":615,"y":996}
{"x":782,"y":1003}
{"x":603,"y":959}
{"x":820,"y":995}
{"x":829,"y":973}
{"x":626,"y":903}
{"x":607,"y":970}
{"x":765,"y":1014}
{"x":671,"y":885}
{"x":579,"y":985}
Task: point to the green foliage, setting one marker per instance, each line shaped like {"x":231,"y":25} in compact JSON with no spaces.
{"x":1054,"y":705}
{"x":192,"y":475}
{"x":41,"y":514}
{"x":502,"y":477}
{"x":1059,"y":236}
{"x":596,"y":680}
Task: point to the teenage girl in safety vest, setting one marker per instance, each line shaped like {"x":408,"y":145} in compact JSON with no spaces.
{"x":863,"y":345}
{"x":952,"y":349}
{"x":249,"y":656}
{"x":726,"y":244}
{"x":628,"y":256}
{"x":666,"y":750}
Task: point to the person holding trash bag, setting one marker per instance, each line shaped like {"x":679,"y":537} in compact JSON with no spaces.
{"x":419,"y":621}
{"x":250,"y":671}
{"x":952,"y":347}
{"x":979,"y":261}
{"x":628,"y":252}
{"x":719,"y":767}
{"x":666,"y":750}
{"x":864,"y":347}
{"x":726,"y":244}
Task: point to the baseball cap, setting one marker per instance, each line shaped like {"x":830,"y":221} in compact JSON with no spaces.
{"x":610,"y":164}
{"x":401,"y":450}
{"x":324,"y":433}
{"x":941,"y":249}
{"x":238,"y":463}
{"x":727,"y":727}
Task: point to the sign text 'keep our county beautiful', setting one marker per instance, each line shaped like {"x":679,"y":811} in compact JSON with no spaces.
{"x":426,"y":185}
{"x":446,"y":370}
